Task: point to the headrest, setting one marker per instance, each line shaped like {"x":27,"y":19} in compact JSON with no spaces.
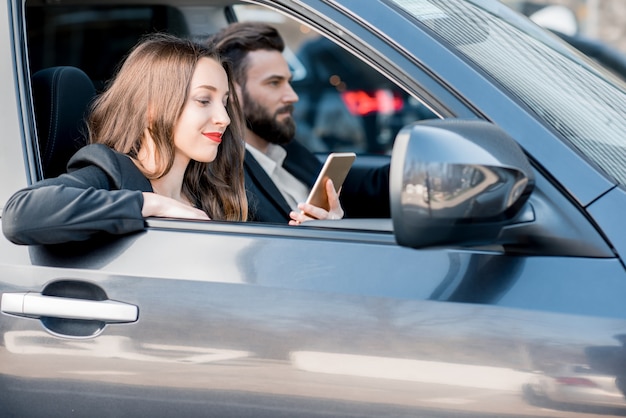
{"x":61,"y":96}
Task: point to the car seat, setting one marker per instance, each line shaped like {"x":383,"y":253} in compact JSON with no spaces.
{"x":61,"y":96}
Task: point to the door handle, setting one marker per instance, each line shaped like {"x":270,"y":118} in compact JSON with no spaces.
{"x":36,"y":305}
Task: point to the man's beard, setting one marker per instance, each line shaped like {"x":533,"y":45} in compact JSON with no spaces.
{"x":267,"y":126}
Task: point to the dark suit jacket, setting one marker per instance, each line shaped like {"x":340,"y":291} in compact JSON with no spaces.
{"x":100,"y":193}
{"x":363,"y":195}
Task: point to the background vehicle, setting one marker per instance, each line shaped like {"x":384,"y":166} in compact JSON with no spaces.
{"x":503,"y":258}
{"x":577,"y":384}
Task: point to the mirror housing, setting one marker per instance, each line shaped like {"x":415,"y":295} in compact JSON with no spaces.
{"x":456,"y":182}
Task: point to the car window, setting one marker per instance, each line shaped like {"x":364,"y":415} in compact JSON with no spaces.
{"x":344,"y":104}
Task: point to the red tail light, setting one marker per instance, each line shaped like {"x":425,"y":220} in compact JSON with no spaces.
{"x":362,"y":103}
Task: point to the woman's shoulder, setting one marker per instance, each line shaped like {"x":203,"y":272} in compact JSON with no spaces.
{"x":98,"y":154}
{"x":118,"y":167}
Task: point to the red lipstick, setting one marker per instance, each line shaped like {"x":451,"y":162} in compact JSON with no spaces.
{"x":214,"y":136}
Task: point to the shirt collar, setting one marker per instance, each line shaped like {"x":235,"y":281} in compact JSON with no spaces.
{"x":274,"y":157}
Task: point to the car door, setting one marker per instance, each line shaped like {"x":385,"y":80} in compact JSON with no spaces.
{"x":251,"y":320}
{"x":225,"y":319}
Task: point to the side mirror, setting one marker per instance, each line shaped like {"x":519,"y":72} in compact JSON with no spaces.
{"x":456,"y":182}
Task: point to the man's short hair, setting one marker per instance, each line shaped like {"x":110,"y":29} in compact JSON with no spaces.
{"x":236,"y":40}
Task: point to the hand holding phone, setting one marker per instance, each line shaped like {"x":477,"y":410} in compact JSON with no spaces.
{"x":336,"y":169}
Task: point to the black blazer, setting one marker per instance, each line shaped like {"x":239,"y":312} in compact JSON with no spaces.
{"x":363,"y":195}
{"x":100,"y":193}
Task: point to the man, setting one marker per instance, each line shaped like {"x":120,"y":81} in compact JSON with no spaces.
{"x":279,"y":172}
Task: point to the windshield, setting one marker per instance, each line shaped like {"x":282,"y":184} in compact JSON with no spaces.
{"x":585,"y":104}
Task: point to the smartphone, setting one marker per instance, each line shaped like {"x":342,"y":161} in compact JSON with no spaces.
{"x":335,"y":168}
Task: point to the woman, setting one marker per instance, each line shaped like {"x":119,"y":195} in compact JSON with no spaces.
{"x":165,"y":141}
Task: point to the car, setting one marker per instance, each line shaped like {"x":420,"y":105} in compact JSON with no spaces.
{"x":577,"y":384}
{"x":503,"y":258}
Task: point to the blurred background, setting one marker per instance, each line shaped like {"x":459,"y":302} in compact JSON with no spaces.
{"x":595,"y":27}
{"x":602,"y":20}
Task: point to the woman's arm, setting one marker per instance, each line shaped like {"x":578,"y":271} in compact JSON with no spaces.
{"x":72,"y":207}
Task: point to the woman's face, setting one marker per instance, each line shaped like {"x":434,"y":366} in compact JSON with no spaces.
{"x":198,"y":131}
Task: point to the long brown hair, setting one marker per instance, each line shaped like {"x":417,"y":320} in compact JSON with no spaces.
{"x":149,"y":91}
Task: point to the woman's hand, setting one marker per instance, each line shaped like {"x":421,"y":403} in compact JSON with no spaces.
{"x":165,"y":207}
{"x":310,"y":212}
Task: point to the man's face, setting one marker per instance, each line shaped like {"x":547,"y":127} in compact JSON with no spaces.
{"x":268,"y":97}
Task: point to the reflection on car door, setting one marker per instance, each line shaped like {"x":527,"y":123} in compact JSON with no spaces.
{"x":241,"y":321}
